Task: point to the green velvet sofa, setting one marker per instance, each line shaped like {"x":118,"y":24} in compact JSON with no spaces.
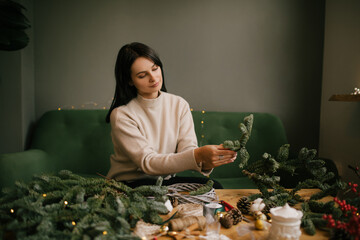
{"x":79,"y":140}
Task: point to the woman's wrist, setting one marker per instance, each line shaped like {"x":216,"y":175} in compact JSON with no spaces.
{"x":197,"y":155}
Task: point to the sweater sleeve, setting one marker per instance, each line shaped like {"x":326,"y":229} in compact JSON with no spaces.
{"x":127,"y":136}
{"x":187,"y":137}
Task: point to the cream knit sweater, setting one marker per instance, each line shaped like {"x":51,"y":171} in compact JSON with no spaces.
{"x":152,"y":137}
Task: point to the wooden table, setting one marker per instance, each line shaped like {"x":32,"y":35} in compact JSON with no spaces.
{"x":233,"y":195}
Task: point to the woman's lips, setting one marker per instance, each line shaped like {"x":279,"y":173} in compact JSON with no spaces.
{"x":155,"y":85}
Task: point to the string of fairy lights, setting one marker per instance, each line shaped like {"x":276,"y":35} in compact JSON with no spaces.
{"x":87,"y":105}
{"x":202,"y":130}
{"x":95,"y":105}
{"x":66,"y":204}
{"x":104,"y":106}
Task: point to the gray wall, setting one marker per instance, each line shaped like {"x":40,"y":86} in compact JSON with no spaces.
{"x":231,"y":55}
{"x":10,"y":102}
{"x":17,"y":104}
{"x":340,"y":128}
{"x":260,"y":56}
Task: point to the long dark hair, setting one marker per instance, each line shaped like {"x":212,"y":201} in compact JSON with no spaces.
{"x":124,"y":92}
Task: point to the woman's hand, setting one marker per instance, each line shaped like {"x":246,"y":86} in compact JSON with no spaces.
{"x":213,"y":156}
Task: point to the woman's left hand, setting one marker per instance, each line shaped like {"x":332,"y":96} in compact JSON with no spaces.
{"x":213,"y":156}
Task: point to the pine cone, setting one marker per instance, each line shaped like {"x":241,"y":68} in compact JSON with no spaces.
{"x":236,"y":215}
{"x":174,"y":201}
{"x":227,"y":221}
{"x":244,"y":205}
{"x":267,"y":207}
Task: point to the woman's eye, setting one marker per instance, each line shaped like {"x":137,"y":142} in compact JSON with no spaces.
{"x":155,"y":68}
{"x":141,"y":76}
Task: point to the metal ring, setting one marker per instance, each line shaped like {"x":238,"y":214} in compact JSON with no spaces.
{"x":221,"y":157}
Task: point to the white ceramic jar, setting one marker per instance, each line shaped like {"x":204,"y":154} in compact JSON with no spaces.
{"x":285,"y":223}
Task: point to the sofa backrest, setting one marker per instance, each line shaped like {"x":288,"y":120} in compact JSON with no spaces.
{"x":268,"y":134}
{"x":79,"y":140}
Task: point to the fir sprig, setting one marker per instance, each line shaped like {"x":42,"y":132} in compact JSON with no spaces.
{"x":240,"y":145}
{"x":203,"y":189}
{"x":68,"y":206}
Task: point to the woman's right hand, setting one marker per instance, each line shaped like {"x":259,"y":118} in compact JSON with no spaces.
{"x":212,"y":156}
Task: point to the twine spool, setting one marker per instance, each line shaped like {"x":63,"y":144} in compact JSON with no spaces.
{"x":180,"y":224}
{"x":190,"y":209}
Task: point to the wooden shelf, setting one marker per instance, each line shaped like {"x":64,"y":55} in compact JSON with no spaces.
{"x":345,"y":98}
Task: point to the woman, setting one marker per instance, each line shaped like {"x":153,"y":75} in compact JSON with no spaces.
{"x":153,"y":131}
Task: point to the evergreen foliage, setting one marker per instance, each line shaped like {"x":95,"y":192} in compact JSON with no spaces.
{"x":68,"y":206}
{"x":263,"y":173}
{"x":344,"y":220}
{"x":239,"y":145}
{"x":203,"y":189}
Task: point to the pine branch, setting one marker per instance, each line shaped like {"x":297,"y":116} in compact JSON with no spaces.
{"x":263,"y":174}
{"x":356,"y":170}
{"x":283,"y":153}
{"x":270,"y":182}
{"x":67,"y":206}
{"x":331,"y":190}
{"x":239,"y":145}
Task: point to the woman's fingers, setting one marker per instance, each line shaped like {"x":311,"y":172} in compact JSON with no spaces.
{"x":225,"y":159}
{"x":225,"y":154}
{"x":214,"y":155}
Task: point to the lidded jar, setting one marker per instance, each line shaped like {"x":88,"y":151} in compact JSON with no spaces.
{"x":285,"y":223}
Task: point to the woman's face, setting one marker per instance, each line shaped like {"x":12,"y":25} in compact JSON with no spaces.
{"x":146,"y":77}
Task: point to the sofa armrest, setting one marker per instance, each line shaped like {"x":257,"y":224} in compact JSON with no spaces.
{"x":22,"y":166}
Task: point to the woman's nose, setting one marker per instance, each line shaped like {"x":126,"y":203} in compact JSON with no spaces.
{"x":152,"y":77}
